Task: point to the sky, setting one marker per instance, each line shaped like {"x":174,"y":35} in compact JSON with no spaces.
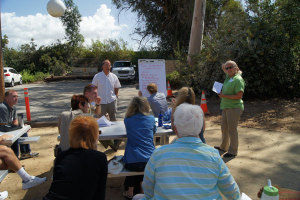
{"x":22,"y":20}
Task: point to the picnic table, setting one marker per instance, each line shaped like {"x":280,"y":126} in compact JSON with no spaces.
{"x":16,"y":134}
{"x":118,"y":131}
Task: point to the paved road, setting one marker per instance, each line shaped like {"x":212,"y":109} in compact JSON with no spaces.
{"x":48,"y":100}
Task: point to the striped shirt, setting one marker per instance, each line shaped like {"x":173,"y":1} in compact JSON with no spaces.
{"x":188,"y":169}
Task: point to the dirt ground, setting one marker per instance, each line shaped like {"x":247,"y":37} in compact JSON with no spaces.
{"x":269,"y":147}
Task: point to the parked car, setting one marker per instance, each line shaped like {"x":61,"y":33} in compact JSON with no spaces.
{"x":11,"y":76}
{"x":124,"y":70}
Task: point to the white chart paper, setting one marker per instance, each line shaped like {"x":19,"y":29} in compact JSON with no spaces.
{"x":152,"y":71}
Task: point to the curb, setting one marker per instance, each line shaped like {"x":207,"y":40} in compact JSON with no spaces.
{"x":42,"y":124}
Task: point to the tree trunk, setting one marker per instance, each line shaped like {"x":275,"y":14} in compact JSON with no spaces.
{"x":2,"y":85}
{"x":196,"y":36}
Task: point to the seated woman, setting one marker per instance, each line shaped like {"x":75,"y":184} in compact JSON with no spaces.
{"x":79,"y":105}
{"x":187,"y":95}
{"x":157,"y":100}
{"x":140,"y":128}
{"x":81,"y":171}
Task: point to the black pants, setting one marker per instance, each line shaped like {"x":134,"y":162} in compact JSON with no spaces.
{"x":134,"y":181}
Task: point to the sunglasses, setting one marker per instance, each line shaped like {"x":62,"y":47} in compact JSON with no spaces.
{"x":230,"y":67}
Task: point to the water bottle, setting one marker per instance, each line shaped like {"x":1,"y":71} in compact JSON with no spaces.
{"x":20,"y":119}
{"x":160,"y":120}
{"x":270,"y":192}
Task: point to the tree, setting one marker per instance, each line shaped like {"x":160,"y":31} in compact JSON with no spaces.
{"x":167,"y":21}
{"x":4,"y":41}
{"x":71,"y":21}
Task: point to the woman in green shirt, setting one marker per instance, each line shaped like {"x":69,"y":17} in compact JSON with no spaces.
{"x":232,"y":107}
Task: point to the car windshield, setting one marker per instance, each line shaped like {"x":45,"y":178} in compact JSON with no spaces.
{"x":122,"y":64}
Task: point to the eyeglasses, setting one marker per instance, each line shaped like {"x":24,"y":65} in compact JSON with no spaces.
{"x":230,"y":67}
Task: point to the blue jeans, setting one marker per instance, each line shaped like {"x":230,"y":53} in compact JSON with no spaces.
{"x":24,"y":148}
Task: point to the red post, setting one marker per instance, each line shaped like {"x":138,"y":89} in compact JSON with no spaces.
{"x":27,"y":104}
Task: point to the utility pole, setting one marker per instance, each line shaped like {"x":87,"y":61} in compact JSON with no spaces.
{"x":197,"y":29}
{"x":2,"y":86}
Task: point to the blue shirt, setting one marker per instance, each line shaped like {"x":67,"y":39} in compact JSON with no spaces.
{"x":158,"y":103}
{"x":188,"y":169}
{"x":140,"y":130}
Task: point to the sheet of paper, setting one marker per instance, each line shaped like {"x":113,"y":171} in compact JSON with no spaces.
{"x":103,"y":122}
{"x":245,"y":197}
{"x":217,"y":87}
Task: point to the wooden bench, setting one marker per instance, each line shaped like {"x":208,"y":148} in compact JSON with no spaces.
{"x":28,"y":140}
{"x":123,"y":173}
{"x":3,"y":174}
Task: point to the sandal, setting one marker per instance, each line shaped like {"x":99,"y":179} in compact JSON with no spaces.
{"x":125,"y":194}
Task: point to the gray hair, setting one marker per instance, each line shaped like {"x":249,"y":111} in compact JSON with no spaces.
{"x":188,"y":120}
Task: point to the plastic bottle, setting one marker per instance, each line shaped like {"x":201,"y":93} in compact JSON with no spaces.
{"x":160,"y":120}
{"x":270,"y":192}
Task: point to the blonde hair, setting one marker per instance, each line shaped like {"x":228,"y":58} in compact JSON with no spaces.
{"x":185,"y":95}
{"x":152,"y":88}
{"x":138,"y":105}
{"x":232,"y":63}
{"x":83,"y":132}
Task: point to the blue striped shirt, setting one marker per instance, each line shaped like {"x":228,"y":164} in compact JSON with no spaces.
{"x":188,"y":169}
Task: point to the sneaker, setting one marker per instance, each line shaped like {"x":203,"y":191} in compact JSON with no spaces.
{"x":28,"y":155}
{"x":3,"y":195}
{"x":33,"y":182}
{"x":229,"y":155}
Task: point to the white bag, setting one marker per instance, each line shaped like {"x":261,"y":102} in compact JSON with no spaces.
{"x":115,"y":165}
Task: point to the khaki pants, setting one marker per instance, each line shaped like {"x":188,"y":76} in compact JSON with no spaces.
{"x":230,"y":139}
{"x":111,"y":109}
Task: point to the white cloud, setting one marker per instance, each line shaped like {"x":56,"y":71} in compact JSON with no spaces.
{"x":46,"y":29}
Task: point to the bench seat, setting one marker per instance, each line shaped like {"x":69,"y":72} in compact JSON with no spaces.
{"x":28,"y":140}
{"x":3,"y":174}
{"x":125,"y":172}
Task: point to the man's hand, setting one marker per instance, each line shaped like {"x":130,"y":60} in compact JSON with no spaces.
{"x":140,"y":93}
{"x":98,"y":100}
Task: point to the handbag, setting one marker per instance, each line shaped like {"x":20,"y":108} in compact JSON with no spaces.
{"x":7,"y":128}
{"x":57,"y":150}
{"x":115,"y":165}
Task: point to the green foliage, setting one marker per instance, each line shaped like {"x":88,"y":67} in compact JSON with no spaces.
{"x":264,"y":42}
{"x":175,"y":80}
{"x":27,"y":77}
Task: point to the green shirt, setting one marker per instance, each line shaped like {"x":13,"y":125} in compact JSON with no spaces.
{"x":232,"y":86}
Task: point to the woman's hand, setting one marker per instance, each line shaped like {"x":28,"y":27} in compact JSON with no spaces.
{"x":221,"y":95}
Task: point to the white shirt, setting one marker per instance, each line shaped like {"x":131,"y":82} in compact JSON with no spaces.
{"x":106,"y":86}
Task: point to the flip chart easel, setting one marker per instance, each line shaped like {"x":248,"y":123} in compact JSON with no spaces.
{"x":152,"y":71}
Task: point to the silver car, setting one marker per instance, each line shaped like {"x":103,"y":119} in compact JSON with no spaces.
{"x":11,"y":76}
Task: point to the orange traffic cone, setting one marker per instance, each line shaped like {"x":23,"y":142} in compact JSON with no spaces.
{"x":169,"y":91}
{"x":203,"y":103}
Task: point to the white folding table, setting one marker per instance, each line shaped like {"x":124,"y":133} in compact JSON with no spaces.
{"x":15,"y":135}
{"x":118,"y":131}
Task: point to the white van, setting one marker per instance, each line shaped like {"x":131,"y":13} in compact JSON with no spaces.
{"x":124,"y":70}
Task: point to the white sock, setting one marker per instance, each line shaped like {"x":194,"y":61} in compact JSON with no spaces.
{"x":24,"y":175}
